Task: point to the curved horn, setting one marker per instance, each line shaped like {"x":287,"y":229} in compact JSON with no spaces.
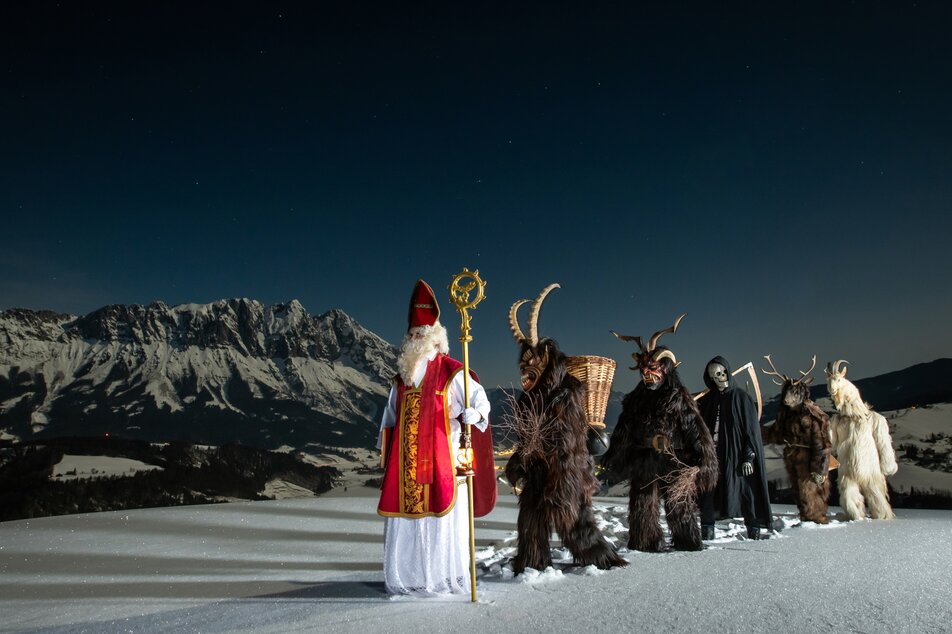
{"x":514,"y":321}
{"x":804,"y":375}
{"x":836,"y":367}
{"x":534,"y":313}
{"x":636,"y":339}
{"x":655,"y":337}
{"x":667,"y":354}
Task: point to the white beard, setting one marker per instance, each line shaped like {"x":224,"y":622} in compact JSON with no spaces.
{"x":415,"y":354}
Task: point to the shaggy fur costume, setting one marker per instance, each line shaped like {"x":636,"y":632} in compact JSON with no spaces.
{"x":670,"y":417}
{"x":862,"y":443}
{"x":804,"y":430}
{"x":552,"y":466}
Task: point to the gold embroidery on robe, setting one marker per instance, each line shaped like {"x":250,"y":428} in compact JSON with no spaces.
{"x":414,"y":501}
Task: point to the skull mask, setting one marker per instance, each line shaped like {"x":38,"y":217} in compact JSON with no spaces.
{"x":718,"y":374}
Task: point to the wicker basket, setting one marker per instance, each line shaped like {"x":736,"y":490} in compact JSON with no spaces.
{"x":596,"y":374}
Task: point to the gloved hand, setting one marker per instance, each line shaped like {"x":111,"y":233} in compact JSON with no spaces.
{"x":819,"y":478}
{"x":471,"y":416}
{"x":747,"y":468}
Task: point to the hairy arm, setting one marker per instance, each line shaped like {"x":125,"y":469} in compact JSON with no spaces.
{"x":614,"y":459}
{"x":696,"y":435}
{"x":819,"y":440}
{"x":887,"y":455}
{"x":835,"y":434}
{"x":515,"y":472}
{"x":770,"y":433}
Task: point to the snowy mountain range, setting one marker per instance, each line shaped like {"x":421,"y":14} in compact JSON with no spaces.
{"x":233,"y":370}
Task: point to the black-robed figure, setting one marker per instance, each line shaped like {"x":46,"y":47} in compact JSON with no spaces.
{"x":731,"y":417}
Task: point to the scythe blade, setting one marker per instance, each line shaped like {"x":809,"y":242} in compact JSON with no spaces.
{"x":749,"y":366}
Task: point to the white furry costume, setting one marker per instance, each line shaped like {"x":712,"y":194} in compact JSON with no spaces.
{"x":862,"y":443}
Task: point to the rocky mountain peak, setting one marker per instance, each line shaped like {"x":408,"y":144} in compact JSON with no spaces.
{"x":17,"y":324}
{"x":236,"y":357}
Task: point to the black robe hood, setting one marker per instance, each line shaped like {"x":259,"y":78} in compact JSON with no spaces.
{"x":709,"y":382}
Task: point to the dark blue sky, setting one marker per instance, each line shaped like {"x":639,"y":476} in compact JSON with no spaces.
{"x":780,"y":174}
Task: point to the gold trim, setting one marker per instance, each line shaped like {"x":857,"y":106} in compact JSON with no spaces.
{"x":403,"y":472}
{"x":412,"y":494}
{"x":416,"y":517}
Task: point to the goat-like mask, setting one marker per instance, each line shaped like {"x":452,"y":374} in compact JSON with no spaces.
{"x":650,"y":359}
{"x":834,"y":372}
{"x":535,"y":356}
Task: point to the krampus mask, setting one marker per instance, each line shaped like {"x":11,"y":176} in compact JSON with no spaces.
{"x":538,"y":359}
{"x":793,"y":392}
{"x":653,"y":361}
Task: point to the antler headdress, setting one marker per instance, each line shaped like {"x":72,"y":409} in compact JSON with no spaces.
{"x":804,"y":378}
{"x":533,"y":338}
{"x":653,"y":343}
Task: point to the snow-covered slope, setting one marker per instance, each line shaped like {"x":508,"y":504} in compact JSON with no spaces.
{"x":232,"y":370}
{"x":314,"y":565}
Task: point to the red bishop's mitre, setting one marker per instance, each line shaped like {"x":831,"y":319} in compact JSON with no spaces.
{"x":424,"y":311}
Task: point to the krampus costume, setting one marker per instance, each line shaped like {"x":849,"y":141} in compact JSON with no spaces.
{"x":551,"y":463}
{"x":663,"y":445}
{"x":862,"y":443}
{"x":804,"y":431}
{"x":731,"y":417}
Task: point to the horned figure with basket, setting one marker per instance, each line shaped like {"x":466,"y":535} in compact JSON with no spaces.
{"x":804,"y":431}
{"x":663,"y":445}
{"x":551,"y":464}
{"x":864,"y":447}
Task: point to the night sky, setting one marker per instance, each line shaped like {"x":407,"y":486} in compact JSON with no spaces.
{"x":778,"y":171}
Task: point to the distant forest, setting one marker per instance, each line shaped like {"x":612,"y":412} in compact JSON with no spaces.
{"x":188,"y":475}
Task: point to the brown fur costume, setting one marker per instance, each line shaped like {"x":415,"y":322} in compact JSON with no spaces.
{"x":551,"y":463}
{"x":662,"y":444}
{"x":804,"y":431}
